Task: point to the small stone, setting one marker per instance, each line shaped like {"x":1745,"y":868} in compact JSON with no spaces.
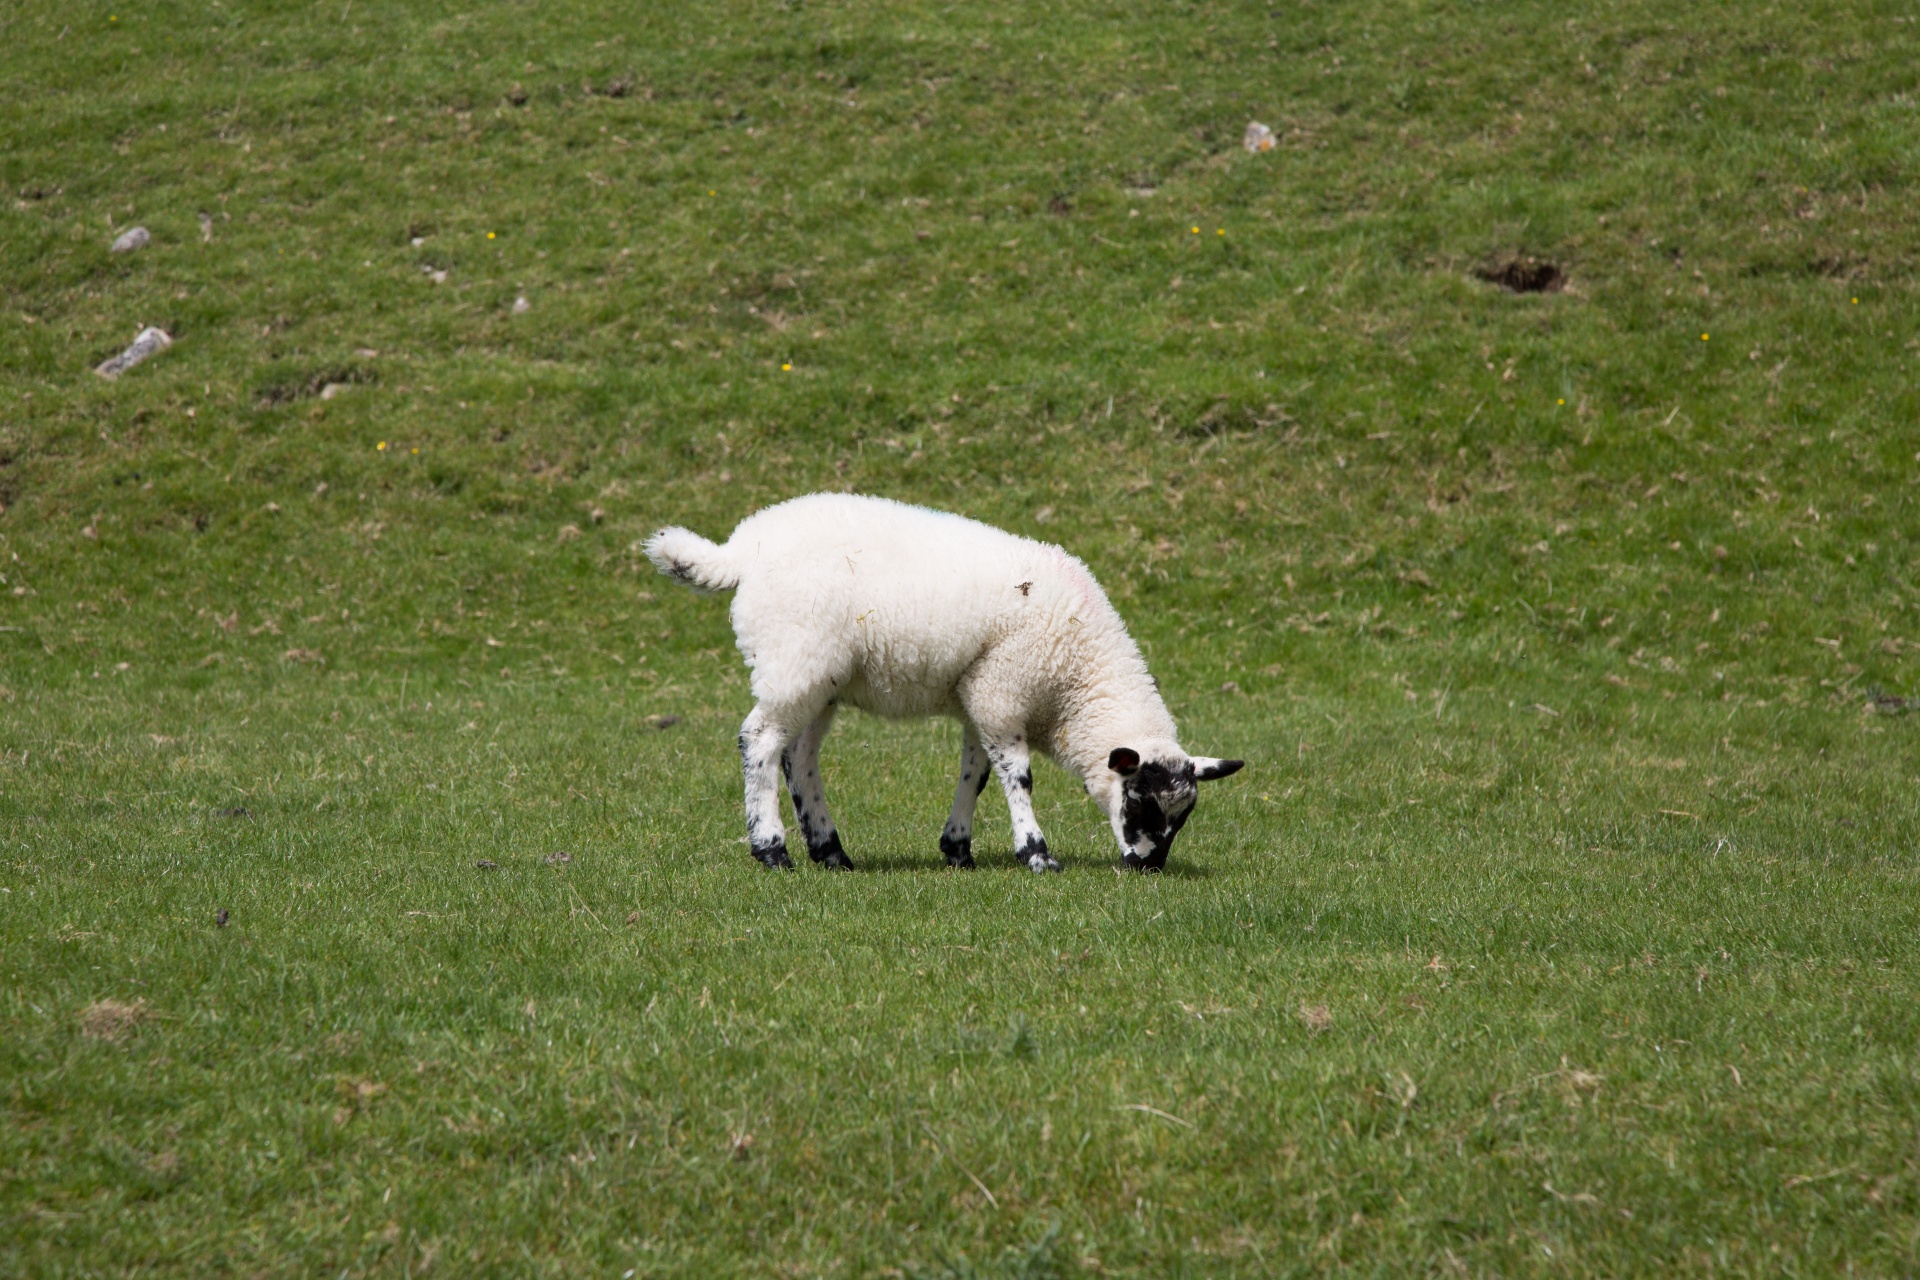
{"x":521,"y":306}
{"x":485,"y":864}
{"x":332,"y":389}
{"x":220,"y":917}
{"x":133,"y":238}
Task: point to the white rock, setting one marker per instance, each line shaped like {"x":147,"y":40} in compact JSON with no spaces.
{"x":134,"y":238}
{"x":150,"y":342}
{"x":521,"y":306}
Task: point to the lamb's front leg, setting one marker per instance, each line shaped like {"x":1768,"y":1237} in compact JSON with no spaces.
{"x":957,"y":840}
{"x":763,"y":740}
{"x":1014,"y":763}
{"x":802,"y":765}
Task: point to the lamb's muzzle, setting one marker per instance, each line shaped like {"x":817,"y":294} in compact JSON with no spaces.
{"x":903,"y":611}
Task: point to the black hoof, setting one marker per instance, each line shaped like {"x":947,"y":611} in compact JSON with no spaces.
{"x":959,"y":852}
{"x":1033,"y":854}
{"x":774,"y":856}
{"x":830,"y":855}
{"x":1152,"y":863}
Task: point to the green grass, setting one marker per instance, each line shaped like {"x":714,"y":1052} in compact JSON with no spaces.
{"x":1564,"y":921}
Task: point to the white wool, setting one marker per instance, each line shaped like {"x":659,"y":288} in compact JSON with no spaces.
{"x":904,"y":611}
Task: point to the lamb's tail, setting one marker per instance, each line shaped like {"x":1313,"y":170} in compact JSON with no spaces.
{"x":691,"y":560}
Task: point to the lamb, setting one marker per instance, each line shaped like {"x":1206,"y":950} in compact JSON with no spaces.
{"x":902,"y":611}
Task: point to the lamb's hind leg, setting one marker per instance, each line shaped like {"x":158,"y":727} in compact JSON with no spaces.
{"x":802,"y":765}
{"x":1013,"y":761}
{"x":957,"y":840}
{"x":763,"y":740}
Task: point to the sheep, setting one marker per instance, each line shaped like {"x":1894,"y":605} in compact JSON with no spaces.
{"x":903,"y":611}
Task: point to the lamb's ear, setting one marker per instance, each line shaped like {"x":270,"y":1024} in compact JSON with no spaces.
{"x":1207,"y":768}
{"x":1124,"y":761}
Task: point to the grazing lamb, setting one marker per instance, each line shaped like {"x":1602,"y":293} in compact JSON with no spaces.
{"x":903,"y":611}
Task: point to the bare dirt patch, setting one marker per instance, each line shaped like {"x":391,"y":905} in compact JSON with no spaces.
{"x":109,"y":1020}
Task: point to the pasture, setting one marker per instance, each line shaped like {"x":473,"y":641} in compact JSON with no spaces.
{"x":1562,"y":923}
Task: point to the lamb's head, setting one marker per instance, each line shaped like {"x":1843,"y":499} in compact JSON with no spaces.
{"x":1150,"y":800}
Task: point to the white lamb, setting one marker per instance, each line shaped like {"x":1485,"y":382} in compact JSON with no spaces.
{"x":903,"y":611}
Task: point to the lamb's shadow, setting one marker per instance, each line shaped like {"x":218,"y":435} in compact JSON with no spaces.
{"x":1182,"y":871}
{"x":906,"y":863}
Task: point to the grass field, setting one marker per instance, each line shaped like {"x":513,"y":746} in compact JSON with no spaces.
{"x":1563,"y":923}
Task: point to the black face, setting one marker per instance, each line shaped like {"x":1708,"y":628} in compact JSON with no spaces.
{"x":1156,"y":802}
{"x":1156,"y":799}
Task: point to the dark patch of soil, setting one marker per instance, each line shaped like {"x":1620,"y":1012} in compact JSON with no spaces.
{"x":289,"y":392}
{"x":1891,"y":704}
{"x":1837,"y":267}
{"x":1522,"y":274}
{"x":619,"y":87}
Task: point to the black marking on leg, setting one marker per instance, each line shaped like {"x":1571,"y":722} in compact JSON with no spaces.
{"x":959,"y":850}
{"x":773,"y":855}
{"x":1025,"y":780}
{"x":828,"y":852}
{"x":981,"y":785}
